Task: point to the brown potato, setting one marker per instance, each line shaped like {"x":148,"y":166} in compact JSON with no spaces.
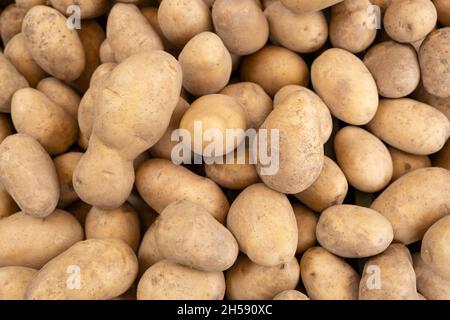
{"x":28,"y":4}
{"x":306,"y":226}
{"x":151,"y":14}
{"x":443,"y":11}
{"x":303,"y":6}
{"x":290,"y":295}
{"x":88,"y":9}
{"x":405,"y":162}
{"x":61,"y":94}
{"x":6,"y":127}
{"x":79,"y":210}
{"x":148,"y":253}
{"x":14,"y":281}
{"x":11,"y":81}
{"x":65,"y":166}
{"x":430,"y":284}
{"x":11,"y":22}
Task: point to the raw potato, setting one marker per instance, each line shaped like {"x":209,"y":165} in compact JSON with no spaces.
{"x":405,"y":162}
{"x":442,"y":158}
{"x":241,"y":25}
{"x":414,"y":202}
{"x":88,"y":9}
{"x":28,"y":4}
{"x":345,"y":85}
{"x":79,"y":210}
{"x":442,"y":104}
{"x":160,"y":182}
{"x":431,"y":285}
{"x":146,"y":214}
{"x":28,"y":174}
{"x":7,"y":204}
{"x":273,"y":68}
{"x":303,"y":33}
{"x":249,"y":281}
{"x":306,"y":226}
{"x":6,"y":128}
{"x":151,"y":14}
{"x":363,"y":158}
{"x":61,"y":55}
{"x":168,"y":280}
{"x":389,"y":276}
{"x":93,"y":260}
{"x":10,"y":81}
{"x":291,"y":295}
{"x":106,"y":53}
{"x":148,"y":253}
{"x":443,"y":11}
{"x":32,"y":242}
{"x":327,"y":277}
{"x":264,"y":224}
{"x":11,"y":22}
{"x":303,"y":6}
{"x":399,"y":120}
{"x":329,"y":189}
{"x":14,"y":281}
{"x":61,"y":94}
{"x":206,"y":64}
{"x":65,"y":166}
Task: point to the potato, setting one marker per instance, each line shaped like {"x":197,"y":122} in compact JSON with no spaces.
{"x":148,"y":253}
{"x":33,"y":113}
{"x":6,"y":128}
{"x":61,"y":94}
{"x":414,"y":202}
{"x":7,"y":204}
{"x":241,"y":25}
{"x":160,"y":182}
{"x":31,"y":242}
{"x":147,"y":215}
{"x":442,"y":104}
{"x":363,"y":158}
{"x":264,"y":224}
{"x":410,"y":126}
{"x":14,"y":281}
{"x":345,"y":85}
{"x":327,"y":277}
{"x":430,"y":284}
{"x":410,"y":20}
{"x":129,"y":32}
{"x":389,"y":276}
{"x":79,"y":210}
{"x":443,"y":11}
{"x":180,"y":21}
{"x":442,"y":158}
{"x":253,"y":99}
{"x":11,"y":22}
{"x":304,"y":6}
{"x":206,"y":64}
{"x":88,"y":9}
{"x":306,"y":226}
{"x":433,"y":63}
{"x":10,"y":81}
{"x":28,"y":4}
{"x":151,"y":14}
{"x":28,"y":175}
{"x":249,"y":281}
{"x":303,"y":33}
{"x":91,"y":261}
{"x":290,"y":295}
{"x":61,"y":55}
{"x":65,"y":166}
{"x":106,"y":53}
{"x":273,"y":68}
{"x":167,"y":280}
{"x":405,"y":162}
{"x":395,"y":68}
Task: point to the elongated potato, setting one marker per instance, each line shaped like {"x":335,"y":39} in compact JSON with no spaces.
{"x":10,"y":81}
{"x":303,"y":6}
{"x":65,"y":166}
{"x":306,"y":226}
{"x":14,"y":281}
{"x":291,"y":295}
{"x":61,"y":94}
{"x":405,"y":162}
{"x":88,"y":9}
{"x":430,"y":284}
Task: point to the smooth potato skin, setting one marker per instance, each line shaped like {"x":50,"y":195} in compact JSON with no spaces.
{"x":304,"y":6}
{"x":28,"y":4}
{"x":14,"y":281}
{"x":10,"y":81}
{"x":291,"y":295}
{"x":306,"y":226}
{"x":430,"y":284}
{"x":405,"y":162}
{"x":106,"y":52}
{"x":61,"y":94}
{"x":65,"y":166}
{"x":10,"y":22}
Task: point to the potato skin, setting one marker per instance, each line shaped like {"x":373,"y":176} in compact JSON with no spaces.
{"x":443,"y":11}
{"x":10,"y":22}
{"x":405,"y":162}
{"x":6,"y":127}
{"x":7,"y":204}
{"x":99,"y":281}
{"x":319,"y":270}
{"x":88,"y":9}
{"x":442,"y":104}
{"x":168,"y":280}
{"x":148,"y":253}
{"x":430,"y":284}
{"x":14,"y":281}
{"x":306,"y":226}
{"x":10,"y":81}
{"x":304,"y":6}
{"x":106,"y":52}
{"x":249,"y":281}
{"x":40,"y":239}
{"x":291,"y":295}
{"x":65,"y":166}
{"x":28,"y":4}
{"x":414,"y":202}
{"x":28,"y":174}
{"x":61,"y":94}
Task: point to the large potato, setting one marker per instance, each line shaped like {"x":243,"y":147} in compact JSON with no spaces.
{"x":430,"y":284}
{"x":303,"y":6}
{"x":10,"y":81}
{"x":65,"y":165}
{"x":405,"y":162}
{"x":306,"y":226}
{"x":14,"y":281}
{"x":88,"y":9}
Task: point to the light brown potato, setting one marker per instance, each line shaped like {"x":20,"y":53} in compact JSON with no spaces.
{"x":79,"y":210}
{"x":147,"y":215}
{"x":61,"y":55}
{"x":395,"y":68}
{"x":32,"y":242}
{"x":414,"y":202}
{"x":106,"y":53}
{"x":306,"y":226}
{"x":6,"y":127}
{"x":431,"y":285}
{"x":273,"y":68}
{"x":303,"y":33}
{"x":249,"y":281}
{"x":65,"y":166}
{"x":168,"y":280}
{"x":442,"y":158}
{"x":10,"y":81}
{"x":61,"y":94}
{"x":291,"y":295}
{"x":91,"y":260}
{"x":28,"y":4}
{"x":303,"y":6}
{"x":329,"y":189}
{"x":148,"y":253}
{"x":14,"y":281}
{"x":206,"y":64}
{"x":11,"y":22}
{"x":88,"y":9}
{"x":443,"y":11}
{"x":160,"y":182}
{"x":7,"y":204}
{"x":241,"y":25}
{"x":405,"y":162}
{"x":264,"y":224}
{"x":409,"y":20}
{"x":151,"y":14}
{"x":28,"y":175}
{"x":442,"y":104}
{"x":345,"y":85}
{"x":410,"y":126}
{"x":328,"y":277}
{"x":389,"y":276}
{"x":363,"y":158}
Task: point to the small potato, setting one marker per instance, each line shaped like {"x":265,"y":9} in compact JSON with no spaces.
{"x":32,"y":242}
{"x":168,"y":280}
{"x":10,"y":81}
{"x":303,"y":33}
{"x":65,"y":166}
{"x":249,"y":281}
{"x":88,"y":9}
{"x":181,"y":20}
{"x":79,"y":210}
{"x":148,"y":253}
{"x":206,"y":64}
{"x":304,"y":6}
{"x":7,"y":204}
{"x":291,"y":295}
{"x":329,"y":189}
{"x":306,"y":226}
{"x":395,"y":68}
{"x":327,"y":277}
{"x":443,"y":11}
{"x":442,"y":158}
{"x":92,"y":260}
{"x":409,"y":20}
{"x":414,"y":202}
{"x":106,"y":53}
{"x":363,"y":158}
{"x":273,"y":68}
{"x":264,"y":224}
{"x":11,"y":22}
{"x":14,"y":281}
{"x":430,"y":284}
{"x":410,"y":126}
{"x":389,"y":276}
{"x":6,"y":127}
{"x":241,"y":25}
{"x":61,"y":94}
{"x":28,"y":174}
{"x":442,"y":104}
{"x":405,"y":162}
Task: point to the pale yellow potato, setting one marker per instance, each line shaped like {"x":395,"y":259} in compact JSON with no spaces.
{"x":106,"y":53}
{"x":290,"y":295}
{"x":10,"y":81}
{"x":79,"y":210}
{"x":249,"y":281}
{"x":306,"y":226}
{"x":442,"y":158}
{"x":32,"y":242}
{"x":148,"y":253}
{"x":11,"y":22}
{"x":88,"y":9}
{"x":430,"y":284}
{"x":7,"y":204}
{"x":61,"y":94}
{"x":443,"y":11}
{"x":6,"y":127}
{"x":65,"y":166}
{"x":405,"y":162}
{"x":14,"y":281}
{"x":93,"y":260}
{"x":302,"y":6}
{"x":168,"y":280}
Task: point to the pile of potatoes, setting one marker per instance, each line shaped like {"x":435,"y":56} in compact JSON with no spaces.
{"x":93,"y":205}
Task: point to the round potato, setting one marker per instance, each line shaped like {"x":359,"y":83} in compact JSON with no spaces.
{"x":88,"y":9}
{"x":405,"y":162}
{"x":442,"y":158}
{"x":290,"y":295}
{"x":443,"y":11}
{"x":61,"y":94}
{"x":11,"y":81}
{"x":306,"y":226}
{"x":304,"y":6}
{"x":14,"y":281}
{"x":65,"y":165}
{"x":11,"y":22}
{"x":430,"y":284}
